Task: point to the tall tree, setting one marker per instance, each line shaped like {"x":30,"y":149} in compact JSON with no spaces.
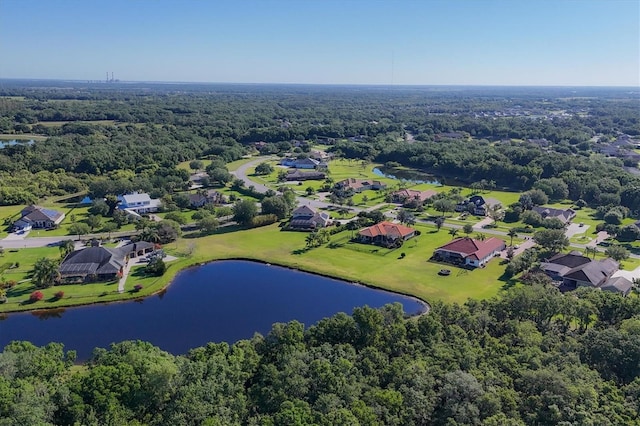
{"x":45,"y":273}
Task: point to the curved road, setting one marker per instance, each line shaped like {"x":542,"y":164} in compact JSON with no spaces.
{"x":12,"y":242}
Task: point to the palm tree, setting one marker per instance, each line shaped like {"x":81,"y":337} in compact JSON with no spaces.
{"x":480,"y":236}
{"x":453,"y":232}
{"x":512,"y":233}
{"x":45,"y":273}
{"x":590,"y":250}
{"x":66,"y":247}
{"x":312,"y":239}
{"x":439,"y":221}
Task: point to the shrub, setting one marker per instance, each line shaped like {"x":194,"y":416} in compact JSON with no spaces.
{"x":36,"y":296}
{"x":137,"y":287}
{"x":59,"y":295}
{"x":263,"y":220}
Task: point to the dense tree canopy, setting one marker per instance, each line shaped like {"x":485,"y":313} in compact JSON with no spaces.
{"x":532,"y":356}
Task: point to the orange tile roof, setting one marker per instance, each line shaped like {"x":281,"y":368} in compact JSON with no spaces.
{"x":388,"y":229}
{"x":468,"y":247}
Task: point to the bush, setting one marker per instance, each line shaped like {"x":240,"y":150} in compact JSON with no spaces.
{"x":59,"y":295}
{"x":263,"y":220}
{"x":137,"y":287}
{"x":36,"y":296}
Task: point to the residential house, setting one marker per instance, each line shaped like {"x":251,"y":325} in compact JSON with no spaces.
{"x":474,"y":204}
{"x":201,"y":199}
{"x":549,"y":213}
{"x":470,"y":252}
{"x":405,"y":195}
{"x":386,"y":234}
{"x":573,"y":270}
{"x":99,"y":263}
{"x":37,"y":217}
{"x":300,"y":175}
{"x":359,"y":185}
{"x":302,"y":163}
{"x":304,"y":218}
{"x":138,"y":203}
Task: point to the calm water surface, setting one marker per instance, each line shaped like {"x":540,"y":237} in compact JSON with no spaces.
{"x":221,"y":301}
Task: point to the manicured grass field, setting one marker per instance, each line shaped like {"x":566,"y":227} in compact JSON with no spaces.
{"x":414,"y":274}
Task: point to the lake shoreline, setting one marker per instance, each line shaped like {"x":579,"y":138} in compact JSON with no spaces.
{"x":171,"y":276}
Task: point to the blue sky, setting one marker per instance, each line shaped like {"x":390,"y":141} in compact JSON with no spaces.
{"x":428,"y":42}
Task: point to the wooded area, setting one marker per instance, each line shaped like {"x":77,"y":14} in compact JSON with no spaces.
{"x":532,"y":356}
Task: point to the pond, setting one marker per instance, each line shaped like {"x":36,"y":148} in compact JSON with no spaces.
{"x":410,"y":176}
{"x":13,"y":142}
{"x":218,"y":302}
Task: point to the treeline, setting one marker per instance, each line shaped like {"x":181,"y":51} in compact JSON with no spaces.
{"x":530,"y":357}
{"x":96,"y":131}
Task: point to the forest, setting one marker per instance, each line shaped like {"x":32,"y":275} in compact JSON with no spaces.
{"x":137,"y":134}
{"x":531,"y":356}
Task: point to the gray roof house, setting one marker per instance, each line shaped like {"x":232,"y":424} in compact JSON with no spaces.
{"x":304,"y":218}
{"x":573,"y":270}
{"x":549,"y":212}
{"x":100,"y":263}
{"x":38,"y":218}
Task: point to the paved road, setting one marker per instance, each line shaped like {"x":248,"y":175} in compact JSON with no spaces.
{"x":13,"y":243}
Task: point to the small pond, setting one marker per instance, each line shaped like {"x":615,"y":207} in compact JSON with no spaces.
{"x":410,"y":176}
{"x":12,"y":142}
{"x":217,"y":302}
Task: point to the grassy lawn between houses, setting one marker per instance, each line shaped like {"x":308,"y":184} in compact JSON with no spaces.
{"x":413,"y":274}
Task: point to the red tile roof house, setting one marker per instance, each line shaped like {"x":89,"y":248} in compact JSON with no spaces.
{"x":386,"y":234}
{"x":470,"y":252}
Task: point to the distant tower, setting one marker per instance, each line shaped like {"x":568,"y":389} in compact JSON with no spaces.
{"x":112,"y":80}
{"x":107,"y":76}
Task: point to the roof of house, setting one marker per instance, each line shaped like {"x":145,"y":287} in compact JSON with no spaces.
{"x":303,"y":211}
{"x":196,"y":198}
{"x":358,"y":183}
{"x":136,"y":197}
{"x":412,"y":193}
{"x":36,"y":213}
{"x":93,"y":260}
{"x":571,"y":259}
{"x":388,"y":229}
{"x":593,"y":272}
{"x":618,"y":285}
{"x":475,"y":249}
{"x":549,"y":212}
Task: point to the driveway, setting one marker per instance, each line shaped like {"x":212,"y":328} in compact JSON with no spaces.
{"x":575,"y":229}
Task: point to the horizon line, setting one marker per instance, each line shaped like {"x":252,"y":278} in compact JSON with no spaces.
{"x":88,"y":81}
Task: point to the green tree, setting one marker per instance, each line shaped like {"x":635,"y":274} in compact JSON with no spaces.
{"x":444,"y":205}
{"x":617,"y":253}
{"x":453,"y":232}
{"x":512,"y":233}
{"x":264,"y":169}
{"x":553,"y":240}
{"x":45,"y":273}
{"x":406,"y":217}
{"x":244,"y":211}
{"x":196,"y":165}
{"x":208,"y":224}
{"x":79,"y":229}
{"x":590,"y":250}
{"x":439,"y":221}
{"x":467,"y":228}
{"x":66,"y":247}
{"x":93,"y":221}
